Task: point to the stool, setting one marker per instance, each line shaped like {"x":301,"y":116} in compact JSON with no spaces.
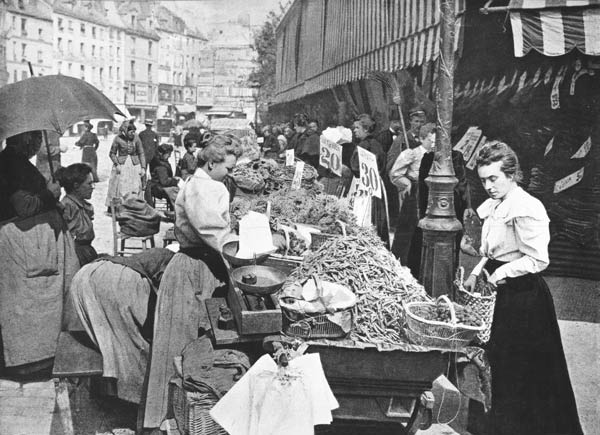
{"x":169,"y":237}
{"x":120,"y":239}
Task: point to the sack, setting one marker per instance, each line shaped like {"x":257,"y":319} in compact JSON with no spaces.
{"x":137,"y":218}
{"x":205,"y":368}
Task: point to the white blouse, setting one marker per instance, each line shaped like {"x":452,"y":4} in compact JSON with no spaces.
{"x":515,"y":230}
{"x":202,"y":212}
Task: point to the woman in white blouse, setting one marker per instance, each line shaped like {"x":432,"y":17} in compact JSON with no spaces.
{"x":531,"y":389}
{"x":202,"y":227}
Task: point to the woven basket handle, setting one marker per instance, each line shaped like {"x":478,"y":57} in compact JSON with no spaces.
{"x":451,"y":305}
{"x":286,"y":233}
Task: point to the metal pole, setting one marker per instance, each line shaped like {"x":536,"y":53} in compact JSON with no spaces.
{"x":440,"y":226}
{"x":45,"y":137}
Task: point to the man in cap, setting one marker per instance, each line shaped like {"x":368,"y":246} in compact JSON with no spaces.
{"x":150,"y":141}
{"x":417,"y":119}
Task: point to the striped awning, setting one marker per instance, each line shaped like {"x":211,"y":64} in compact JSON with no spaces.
{"x":353,"y":38}
{"x":555,"y":27}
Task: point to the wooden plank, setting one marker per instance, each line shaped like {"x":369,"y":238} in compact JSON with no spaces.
{"x":75,"y":356}
{"x":225,"y":336}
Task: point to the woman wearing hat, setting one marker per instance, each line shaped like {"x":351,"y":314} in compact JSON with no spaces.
{"x":129,"y":164}
{"x":88,"y":142}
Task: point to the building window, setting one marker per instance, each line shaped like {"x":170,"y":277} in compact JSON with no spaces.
{"x":81,"y":49}
{"x":59,"y":45}
{"x":118,"y":52}
{"x":70,"y":68}
{"x":93,"y":78}
{"x":82,"y":72}
{"x":59,"y":66}
{"x":101,"y":74}
{"x":133,"y":21}
{"x":21,"y":4}
{"x":110,"y":72}
{"x":40,"y":57}
{"x":70,"y":25}
{"x":111,"y":33}
{"x":150,"y":48}
{"x":133,"y":70}
{"x":70,"y":47}
{"x":23,"y":75}
{"x":101,"y":52}
{"x":14,"y":50}
{"x":150,"y":72}
{"x":15,"y":76}
{"x":40,"y":33}
{"x":14,"y":22}
{"x":60,"y":24}
{"x":132,"y":45}
{"x":94,"y":32}
{"x":118,"y":73}
{"x":23,"y":27}
{"x":93,"y":51}
{"x":82,"y":29}
{"x":23,"y":50}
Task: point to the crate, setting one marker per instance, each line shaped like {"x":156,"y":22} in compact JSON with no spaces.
{"x":250,"y":321}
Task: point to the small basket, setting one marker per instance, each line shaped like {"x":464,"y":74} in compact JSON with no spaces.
{"x":191,"y":411}
{"x":307,"y":326}
{"x":482,"y":305}
{"x":317,"y":239}
{"x":438,"y":334}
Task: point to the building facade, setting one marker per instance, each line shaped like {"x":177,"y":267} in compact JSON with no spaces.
{"x":28,"y":29}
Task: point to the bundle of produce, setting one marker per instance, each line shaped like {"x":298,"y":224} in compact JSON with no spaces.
{"x":267,"y":176}
{"x":362,"y":263}
{"x":248,"y":179}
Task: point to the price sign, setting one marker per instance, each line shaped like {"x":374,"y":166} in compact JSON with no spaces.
{"x":297,"y":181}
{"x":330,"y":156}
{"x":568,"y":181}
{"x":289,"y":157}
{"x":369,"y":175}
{"x":360,"y":203}
{"x":468,"y":142}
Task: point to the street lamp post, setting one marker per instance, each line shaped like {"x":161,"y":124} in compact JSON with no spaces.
{"x":438,"y":258}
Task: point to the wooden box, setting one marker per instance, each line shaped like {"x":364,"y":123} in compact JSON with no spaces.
{"x":249,"y":321}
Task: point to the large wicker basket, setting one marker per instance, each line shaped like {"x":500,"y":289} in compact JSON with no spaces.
{"x":191,"y":411}
{"x":438,"y":334}
{"x":482,"y":305}
{"x":312,"y":326}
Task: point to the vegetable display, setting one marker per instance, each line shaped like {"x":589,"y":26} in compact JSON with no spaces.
{"x":364,"y":265}
{"x":441,"y":313}
{"x":267,"y":176}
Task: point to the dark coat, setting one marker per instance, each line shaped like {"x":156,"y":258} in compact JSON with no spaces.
{"x":385,"y":138}
{"x":150,"y":141}
{"x":161,"y":174}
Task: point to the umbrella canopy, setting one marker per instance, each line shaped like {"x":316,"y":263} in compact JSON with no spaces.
{"x":53,"y":102}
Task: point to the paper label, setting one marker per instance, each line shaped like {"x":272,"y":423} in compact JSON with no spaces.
{"x":471,"y":162}
{"x":549,"y":147}
{"x":260,"y":140}
{"x":360,"y":202}
{"x":466,"y":145}
{"x":522,"y":81}
{"x":548,"y":76}
{"x":583,"y":149}
{"x":297,"y":180}
{"x":555,"y":94}
{"x":330,"y":156}
{"x":568,"y":181}
{"x":289,"y":157}
{"x":369,"y":175}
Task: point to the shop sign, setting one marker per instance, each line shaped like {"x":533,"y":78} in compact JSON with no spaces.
{"x":369,"y":174}
{"x":189,"y":95}
{"x":330,"y":156}
{"x":141,"y":95}
{"x":583,"y":149}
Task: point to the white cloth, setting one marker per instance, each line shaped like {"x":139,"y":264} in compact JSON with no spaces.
{"x":515,"y":230}
{"x":265,"y":406}
{"x":406,"y":168}
{"x":202,"y":212}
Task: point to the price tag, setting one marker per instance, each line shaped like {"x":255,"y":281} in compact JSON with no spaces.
{"x":289,"y":157}
{"x":369,"y":175}
{"x":583,"y":150}
{"x":330,"y":156}
{"x":297,"y":180}
{"x":568,"y":181}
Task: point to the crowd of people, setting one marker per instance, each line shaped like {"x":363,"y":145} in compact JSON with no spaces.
{"x":157,"y":297}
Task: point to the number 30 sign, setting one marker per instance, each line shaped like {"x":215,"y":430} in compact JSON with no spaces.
{"x":330,"y":156}
{"x":369,"y":175}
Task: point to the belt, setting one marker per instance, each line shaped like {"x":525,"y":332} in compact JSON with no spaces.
{"x":83,"y":242}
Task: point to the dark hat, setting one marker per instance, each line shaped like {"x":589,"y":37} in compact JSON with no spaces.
{"x":148,"y":122}
{"x":416,"y":111}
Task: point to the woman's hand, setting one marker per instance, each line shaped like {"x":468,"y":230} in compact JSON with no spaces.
{"x":469,"y":212}
{"x":470,"y":282}
{"x":118,"y":168}
{"x":142,"y":172}
{"x":54,"y":188}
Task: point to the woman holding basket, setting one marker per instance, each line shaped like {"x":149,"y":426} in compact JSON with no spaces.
{"x":531,"y":389}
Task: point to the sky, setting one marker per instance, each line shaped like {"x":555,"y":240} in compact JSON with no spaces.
{"x":201,"y":13}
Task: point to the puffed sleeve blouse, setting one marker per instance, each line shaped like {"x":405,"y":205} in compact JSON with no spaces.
{"x":515,"y":231}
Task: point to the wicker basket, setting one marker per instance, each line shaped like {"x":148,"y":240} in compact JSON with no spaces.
{"x":482,"y":305}
{"x":306,"y":326}
{"x":191,"y":411}
{"x":438,"y":334}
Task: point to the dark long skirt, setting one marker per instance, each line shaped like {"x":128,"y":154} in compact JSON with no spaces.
{"x":89,"y":156}
{"x":407,"y":223}
{"x":85,"y":252}
{"x":531,"y":389}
